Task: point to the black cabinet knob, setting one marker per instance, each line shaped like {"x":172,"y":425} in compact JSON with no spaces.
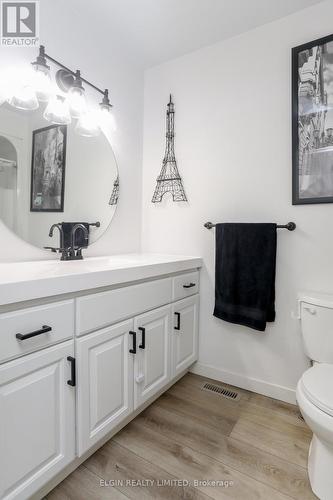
{"x":143,"y":338}
{"x":177,"y":327}
{"x":72,"y":380}
{"x":133,"y":350}
{"x":189,"y":285}
{"x":44,"y":329}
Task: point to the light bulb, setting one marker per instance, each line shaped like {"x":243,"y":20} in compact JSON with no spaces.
{"x":11,"y":81}
{"x":41,"y":81}
{"x":107,"y":119}
{"x":87,"y":125}
{"x":76,"y":97}
{"x":77,"y":102}
{"x":41,"y":78}
{"x":3,"y":87}
{"x":57,"y":111}
{"x":24,"y":97}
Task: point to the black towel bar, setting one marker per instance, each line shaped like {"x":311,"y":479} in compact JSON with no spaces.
{"x":291,"y":226}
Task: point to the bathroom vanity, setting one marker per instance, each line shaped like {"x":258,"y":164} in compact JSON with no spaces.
{"x":85,"y":346}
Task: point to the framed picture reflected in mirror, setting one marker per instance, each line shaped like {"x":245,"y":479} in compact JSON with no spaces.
{"x":48,"y":169}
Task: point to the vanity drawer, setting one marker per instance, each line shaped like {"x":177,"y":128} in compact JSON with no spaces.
{"x":59,"y":317}
{"x":102,"y":309}
{"x":185,"y":285}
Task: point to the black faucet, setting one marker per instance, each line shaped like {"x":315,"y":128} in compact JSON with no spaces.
{"x":61,"y":249}
{"x":73,"y":252}
{"x":61,"y":232}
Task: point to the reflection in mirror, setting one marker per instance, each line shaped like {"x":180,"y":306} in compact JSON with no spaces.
{"x":50,"y":174}
{"x":8,"y":182}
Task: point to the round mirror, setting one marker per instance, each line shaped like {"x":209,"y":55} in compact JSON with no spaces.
{"x":52,"y":174}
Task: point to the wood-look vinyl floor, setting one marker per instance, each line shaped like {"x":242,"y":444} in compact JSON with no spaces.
{"x":254,"y":448}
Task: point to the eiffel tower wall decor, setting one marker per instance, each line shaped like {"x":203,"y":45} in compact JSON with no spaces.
{"x":169,"y":180}
{"x":115,"y":192}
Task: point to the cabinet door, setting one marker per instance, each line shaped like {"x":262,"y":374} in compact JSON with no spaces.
{"x":37,"y":420}
{"x":152,"y":361}
{"x":105,"y":382}
{"x":185,"y":334}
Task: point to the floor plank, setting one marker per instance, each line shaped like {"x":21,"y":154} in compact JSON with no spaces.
{"x":209,"y":401}
{"x":291,"y":446}
{"x":250,"y":403}
{"x":82,"y":484}
{"x":184,"y":462}
{"x":277,"y":406}
{"x":282,"y":422}
{"x":265,"y":467}
{"x":114,"y":461}
{"x":257,"y":445}
{"x":216,"y":420}
{"x":251,"y":397}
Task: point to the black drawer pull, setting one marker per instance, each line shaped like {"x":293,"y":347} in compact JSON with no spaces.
{"x":143,"y":338}
{"x":177,"y":327}
{"x":133,"y":350}
{"x":190,"y":285}
{"x":44,"y":329}
{"x":72,"y":380}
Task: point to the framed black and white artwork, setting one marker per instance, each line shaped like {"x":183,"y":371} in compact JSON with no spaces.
{"x":48,"y":169}
{"x":312,"y":121}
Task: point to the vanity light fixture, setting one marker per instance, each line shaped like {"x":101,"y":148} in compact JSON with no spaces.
{"x":63,"y":105}
{"x":71,"y":83}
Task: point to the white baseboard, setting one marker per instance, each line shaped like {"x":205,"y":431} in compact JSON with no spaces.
{"x":251,"y":384}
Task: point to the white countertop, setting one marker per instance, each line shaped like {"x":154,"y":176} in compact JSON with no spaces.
{"x":21,"y":281}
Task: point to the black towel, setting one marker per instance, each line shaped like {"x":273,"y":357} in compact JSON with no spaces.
{"x":245,"y":274}
{"x":80,"y":241}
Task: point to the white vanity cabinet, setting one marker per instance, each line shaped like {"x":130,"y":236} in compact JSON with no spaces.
{"x":118,"y":369}
{"x":152,"y":361}
{"x":123,"y":366}
{"x":37,"y":415}
{"x":37,"y":327}
{"x":76,"y":367}
{"x":185,"y":334}
{"x":105,"y":382}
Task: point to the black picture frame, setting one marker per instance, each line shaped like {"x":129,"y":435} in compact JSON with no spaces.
{"x":48,"y":168}
{"x":312,"y":160}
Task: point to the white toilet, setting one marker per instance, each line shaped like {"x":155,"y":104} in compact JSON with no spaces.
{"x":315,"y":389}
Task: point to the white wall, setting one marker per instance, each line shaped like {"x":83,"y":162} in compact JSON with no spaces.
{"x":78,"y":43}
{"x":233,"y":145}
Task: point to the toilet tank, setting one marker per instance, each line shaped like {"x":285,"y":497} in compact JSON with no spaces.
{"x":316,"y":313}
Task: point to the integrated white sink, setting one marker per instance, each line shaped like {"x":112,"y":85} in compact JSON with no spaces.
{"x":11,"y":272}
{"x":36,"y":279}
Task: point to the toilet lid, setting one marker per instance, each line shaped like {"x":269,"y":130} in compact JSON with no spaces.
{"x":317,"y":383}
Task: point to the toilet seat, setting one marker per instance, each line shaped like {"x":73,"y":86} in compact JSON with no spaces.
{"x":317,"y":385}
